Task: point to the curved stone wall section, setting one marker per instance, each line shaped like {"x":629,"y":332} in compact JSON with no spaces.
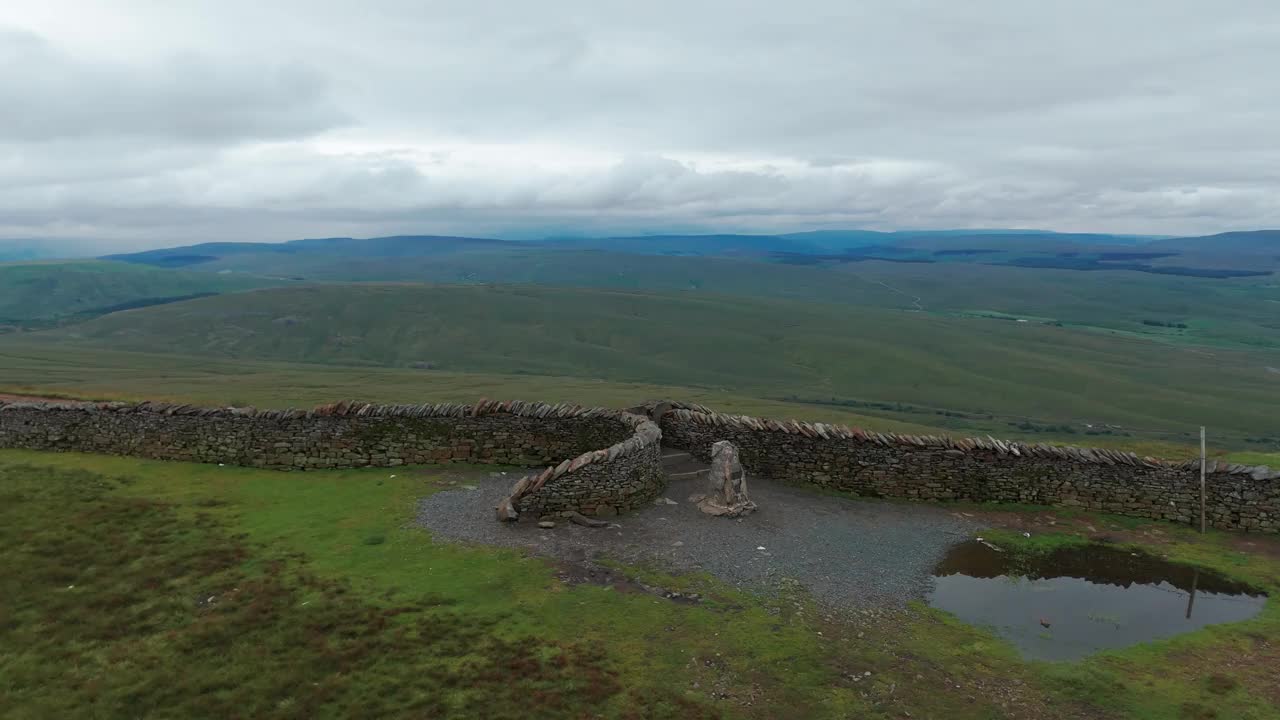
{"x":625,"y":473}
{"x":620,"y":477}
{"x":944,"y":468}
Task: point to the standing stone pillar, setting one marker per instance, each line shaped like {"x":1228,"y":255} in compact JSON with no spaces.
{"x":728,"y":484}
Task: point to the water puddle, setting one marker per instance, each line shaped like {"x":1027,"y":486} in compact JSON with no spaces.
{"x":1071,"y":603}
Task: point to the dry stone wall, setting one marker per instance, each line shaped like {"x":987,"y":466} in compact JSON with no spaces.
{"x":602,"y":462}
{"x":620,"y":477}
{"x":624,"y":474}
{"x":943,"y":468}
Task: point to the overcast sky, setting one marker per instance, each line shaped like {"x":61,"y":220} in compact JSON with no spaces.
{"x":152,"y":123}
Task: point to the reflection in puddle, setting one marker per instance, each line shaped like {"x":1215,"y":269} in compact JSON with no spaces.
{"x":1070,"y":603}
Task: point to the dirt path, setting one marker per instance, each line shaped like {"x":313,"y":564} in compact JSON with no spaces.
{"x":915,"y":299}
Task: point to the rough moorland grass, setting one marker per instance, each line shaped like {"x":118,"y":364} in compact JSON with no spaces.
{"x":401,"y":627}
{"x":141,"y":588}
{"x":162,"y":616}
{"x":104,"y":374}
{"x":41,"y":368}
{"x":1226,"y":313}
{"x":751,"y":346}
{"x":41,"y":294}
{"x":1257,"y":458}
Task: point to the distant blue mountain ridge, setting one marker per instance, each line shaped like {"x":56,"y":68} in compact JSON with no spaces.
{"x":1233,"y":251}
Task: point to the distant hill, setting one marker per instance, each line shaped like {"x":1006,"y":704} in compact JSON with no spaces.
{"x":42,"y":294}
{"x":722,"y":245}
{"x":765,"y":347}
{"x":718,"y":245}
{"x":1237,"y":313}
{"x":825,"y":241}
{"x":1226,"y":256}
{"x":946,"y":274}
{"x":1189,"y":257}
{"x":1256,"y":242}
{"x":384,"y":247}
{"x":941,"y":239}
{"x":31,"y":249}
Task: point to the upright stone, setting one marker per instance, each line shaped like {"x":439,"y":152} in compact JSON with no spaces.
{"x":728,"y":484}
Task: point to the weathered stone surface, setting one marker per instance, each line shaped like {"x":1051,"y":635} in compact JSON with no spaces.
{"x":579,"y":519}
{"x":346,"y":434}
{"x":982,"y":470}
{"x":728,"y":484}
{"x":628,"y":472}
{"x":506,"y":512}
{"x":601,"y":482}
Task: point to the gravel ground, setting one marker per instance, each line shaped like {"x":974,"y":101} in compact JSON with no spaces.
{"x":846,"y":552}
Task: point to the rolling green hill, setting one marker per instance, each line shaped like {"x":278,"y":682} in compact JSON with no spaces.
{"x":1255,"y":242}
{"x":1242,"y":312}
{"x":897,"y":361}
{"x":42,"y":294}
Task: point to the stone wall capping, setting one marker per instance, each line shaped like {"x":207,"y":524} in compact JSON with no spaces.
{"x":540,"y":479}
{"x":522,"y":485}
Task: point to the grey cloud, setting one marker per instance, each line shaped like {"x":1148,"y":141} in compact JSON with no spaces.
{"x":275,"y":120}
{"x":54,"y":96}
{"x":384,"y":193}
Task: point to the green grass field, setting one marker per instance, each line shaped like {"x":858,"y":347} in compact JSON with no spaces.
{"x":1235,"y":313}
{"x":142,"y":588}
{"x":49,"y":370}
{"x":991,"y":375}
{"x":45,"y":294}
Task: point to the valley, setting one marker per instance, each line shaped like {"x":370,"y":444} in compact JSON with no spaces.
{"x":1121,"y":357}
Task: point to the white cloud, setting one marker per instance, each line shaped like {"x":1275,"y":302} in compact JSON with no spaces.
{"x":203,"y":120}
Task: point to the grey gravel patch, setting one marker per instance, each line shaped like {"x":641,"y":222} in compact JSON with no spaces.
{"x":847,"y":552}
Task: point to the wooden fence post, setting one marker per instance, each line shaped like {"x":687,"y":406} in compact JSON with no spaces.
{"x":1203,"y":461}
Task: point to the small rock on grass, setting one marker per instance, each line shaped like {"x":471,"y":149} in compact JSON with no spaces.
{"x":547,"y":524}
